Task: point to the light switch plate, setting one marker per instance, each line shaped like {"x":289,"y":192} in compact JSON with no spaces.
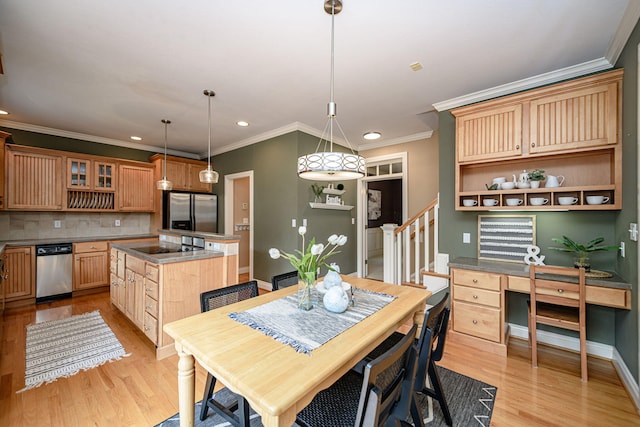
{"x":57,"y":224}
{"x":117,"y":223}
{"x":293,"y":223}
{"x":466,"y":237}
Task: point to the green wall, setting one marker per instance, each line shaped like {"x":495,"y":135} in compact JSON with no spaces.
{"x":280,"y":196}
{"x":603,"y":323}
{"x":42,"y":140}
{"x":626,"y":327}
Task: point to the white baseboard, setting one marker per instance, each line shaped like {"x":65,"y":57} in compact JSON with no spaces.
{"x":596,"y":349}
{"x":264,"y":285}
{"x":243,"y":270}
{"x":627,"y":378}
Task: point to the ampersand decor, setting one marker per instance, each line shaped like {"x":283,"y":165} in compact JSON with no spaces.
{"x":532,"y":256}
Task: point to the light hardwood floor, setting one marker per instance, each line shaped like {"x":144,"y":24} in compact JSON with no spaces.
{"x":141,"y":391}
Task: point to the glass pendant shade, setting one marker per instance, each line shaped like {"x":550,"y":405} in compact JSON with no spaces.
{"x":330,"y":165}
{"x":164,"y":183}
{"x":208,"y":175}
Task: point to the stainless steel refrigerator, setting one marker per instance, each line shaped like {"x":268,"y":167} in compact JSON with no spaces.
{"x":191,"y":211}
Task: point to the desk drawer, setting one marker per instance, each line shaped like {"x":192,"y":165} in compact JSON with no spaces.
{"x":476,"y":320}
{"x":477,"y":279}
{"x":82,"y":247}
{"x":519,"y":284}
{"x":611,"y":297}
{"x":476,"y":296}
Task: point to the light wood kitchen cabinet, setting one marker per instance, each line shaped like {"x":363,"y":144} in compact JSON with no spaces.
{"x":571,"y":129}
{"x":183,"y":173}
{"x":489,"y":134}
{"x":19,"y":265}
{"x":90,"y":265}
{"x":34,"y":178}
{"x":134,"y":290}
{"x":3,"y":138}
{"x":117,"y":279}
{"x":151,"y":293}
{"x":136,"y":187}
{"x":89,"y":174}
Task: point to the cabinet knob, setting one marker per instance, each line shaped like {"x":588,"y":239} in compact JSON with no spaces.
{"x":560,"y":291}
{"x":146,"y":329}
{"x":475,"y":280}
{"x":475,"y":322}
{"x":517,"y":147}
{"x":475,"y":297}
{"x":147,"y":289}
{"x":148,"y":307}
{"x":533,"y":144}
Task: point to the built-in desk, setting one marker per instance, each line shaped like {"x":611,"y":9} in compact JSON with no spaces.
{"x":478,"y":306}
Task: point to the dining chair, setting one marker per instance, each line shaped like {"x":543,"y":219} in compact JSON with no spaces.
{"x":208,"y":301}
{"x":284,"y":280}
{"x":558,"y":303}
{"x":381,"y":396}
{"x":430,"y":350}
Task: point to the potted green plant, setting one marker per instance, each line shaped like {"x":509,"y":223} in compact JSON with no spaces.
{"x":535,"y":177}
{"x":582,"y":251}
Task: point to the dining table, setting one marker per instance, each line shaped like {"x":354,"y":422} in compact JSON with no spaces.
{"x":276,"y":380}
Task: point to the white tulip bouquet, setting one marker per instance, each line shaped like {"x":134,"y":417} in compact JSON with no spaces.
{"x":308,"y":261}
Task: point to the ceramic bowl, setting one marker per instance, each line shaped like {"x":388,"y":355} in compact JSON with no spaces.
{"x":507,"y":185}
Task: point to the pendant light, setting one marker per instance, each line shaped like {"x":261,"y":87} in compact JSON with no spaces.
{"x":208,"y":175}
{"x":330,"y":165}
{"x":164,"y":183}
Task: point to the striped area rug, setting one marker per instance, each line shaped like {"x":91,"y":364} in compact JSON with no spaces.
{"x":61,"y":348}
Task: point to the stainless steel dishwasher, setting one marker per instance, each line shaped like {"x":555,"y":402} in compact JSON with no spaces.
{"x":54,"y":271}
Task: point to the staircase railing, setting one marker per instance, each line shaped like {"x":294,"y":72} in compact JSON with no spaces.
{"x":410,"y":250}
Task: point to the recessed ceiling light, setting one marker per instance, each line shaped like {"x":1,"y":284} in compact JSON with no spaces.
{"x":4,"y":112}
{"x":136,"y":138}
{"x":372,"y":135}
{"x":242,"y":123}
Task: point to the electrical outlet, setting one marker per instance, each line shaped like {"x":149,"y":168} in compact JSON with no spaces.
{"x":466,"y":237}
{"x":622,"y":250}
{"x":304,"y":222}
{"x":293,"y":223}
{"x":633,"y":231}
{"x":353,"y":221}
{"x":117,"y":223}
{"x":57,"y":224}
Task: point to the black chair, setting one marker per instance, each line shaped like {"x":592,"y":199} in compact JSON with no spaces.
{"x":285,"y":280}
{"x":381,"y":396}
{"x":208,"y":301}
{"x":430,"y":350}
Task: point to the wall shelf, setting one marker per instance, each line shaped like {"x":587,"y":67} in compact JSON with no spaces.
{"x":330,"y":206}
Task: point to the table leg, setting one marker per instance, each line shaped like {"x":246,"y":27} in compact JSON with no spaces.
{"x":186,"y":387}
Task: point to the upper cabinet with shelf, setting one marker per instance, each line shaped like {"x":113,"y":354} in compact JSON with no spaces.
{"x":40,"y":179}
{"x":571,"y":129}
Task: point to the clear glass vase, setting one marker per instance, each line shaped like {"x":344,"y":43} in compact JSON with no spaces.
{"x":306,"y":291}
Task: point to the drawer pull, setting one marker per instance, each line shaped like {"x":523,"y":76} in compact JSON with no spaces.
{"x":475,"y":280}
{"x":475,"y":297}
{"x":148,"y":307}
{"x":475,"y":322}
{"x":148,"y":289}
{"x":560,"y":291}
{"x":148,"y":273}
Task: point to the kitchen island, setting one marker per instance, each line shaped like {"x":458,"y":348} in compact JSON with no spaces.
{"x":154,"y":284}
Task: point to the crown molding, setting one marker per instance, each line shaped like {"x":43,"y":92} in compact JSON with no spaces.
{"x":571,"y":72}
{"x":620,"y":38}
{"x":85,"y":137}
{"x":291,"y":127}
{"x":395,"y":141}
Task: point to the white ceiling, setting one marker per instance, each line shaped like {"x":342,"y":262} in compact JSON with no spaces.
{"x":106,"y":70}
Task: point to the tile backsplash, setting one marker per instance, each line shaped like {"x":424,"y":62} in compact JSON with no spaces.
{"x":40,"y":225}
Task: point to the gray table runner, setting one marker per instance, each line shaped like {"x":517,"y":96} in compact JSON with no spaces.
{"x":308,"y":330}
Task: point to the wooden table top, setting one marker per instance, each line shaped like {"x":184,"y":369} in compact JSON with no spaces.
{"x":276,"y":380}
